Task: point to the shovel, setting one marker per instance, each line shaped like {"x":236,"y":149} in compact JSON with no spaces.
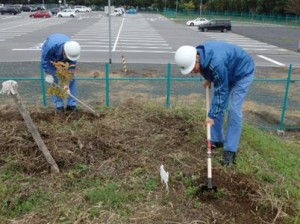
{"x":209,"y":187}
{"x":50,"y":80}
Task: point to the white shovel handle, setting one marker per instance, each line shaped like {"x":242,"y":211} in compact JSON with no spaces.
{"x":79,"y":101}
{"x":207,"y":110}
{"x":85,"y":105}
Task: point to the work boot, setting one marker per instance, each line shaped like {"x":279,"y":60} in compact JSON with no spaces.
{"x":216,"y":145}
{"x":60,"y":109}
{"x":229,"y":158}
{"x":72,"y":108}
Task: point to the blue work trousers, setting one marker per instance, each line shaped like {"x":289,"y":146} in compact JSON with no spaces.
{"x":237,"y":95}
{"x":59,"y":102}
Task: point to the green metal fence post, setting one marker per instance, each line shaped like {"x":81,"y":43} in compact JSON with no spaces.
{"x":107,"y":82}
{"x":168,"y":102}
{"x":43,"y":86}
{"x":286,"y":95}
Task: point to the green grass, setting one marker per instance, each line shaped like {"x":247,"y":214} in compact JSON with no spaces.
{"x":111,"y":195}
{"x":82,"y":192}
{"x":271,"y":158}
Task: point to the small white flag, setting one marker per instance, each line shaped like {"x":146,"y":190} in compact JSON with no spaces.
{"x":164,"y":177}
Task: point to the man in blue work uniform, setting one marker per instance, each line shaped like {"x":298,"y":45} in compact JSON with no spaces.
{"x":59,"y":47}
{"x":231,"y":70}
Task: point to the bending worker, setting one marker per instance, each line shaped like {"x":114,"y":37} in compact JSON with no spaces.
{"x":231,"y":70}
{"x":60,"y":48}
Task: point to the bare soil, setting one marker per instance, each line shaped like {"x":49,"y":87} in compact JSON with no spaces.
{"x":130,"y":137}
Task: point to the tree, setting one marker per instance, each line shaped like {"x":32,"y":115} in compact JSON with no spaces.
{"x":293,"y":6}
{"x":188,"y":5}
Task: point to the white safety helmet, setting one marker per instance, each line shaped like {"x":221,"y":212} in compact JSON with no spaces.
{"x":185,"y":58}
{"x":72,"y":50}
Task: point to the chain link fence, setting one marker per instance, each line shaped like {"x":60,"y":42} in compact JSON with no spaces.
{"x":236,"y":16}
{"x":273,"y":101}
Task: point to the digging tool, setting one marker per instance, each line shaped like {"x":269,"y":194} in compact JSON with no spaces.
{"x":50,"y":80}
{"x":209,"y":186}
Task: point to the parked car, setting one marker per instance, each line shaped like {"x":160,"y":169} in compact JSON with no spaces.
{"x":39,"y":8}
{"x":131,"y":11}
{"x":41,"y":14}
{"x":67,"y":13}
{"x":216,"y":24}
{"x":10,"y":10}
{"x":54,"y":11}
{"x":196,"y":22}
{"x":33,"y":8}
{"x":81,"y":8}
{"x":117,"y":12}
{"x":26,"y":8}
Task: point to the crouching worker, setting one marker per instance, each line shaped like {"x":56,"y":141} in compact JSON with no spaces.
{"x":60,"y":48}
{"x":231,"y":70}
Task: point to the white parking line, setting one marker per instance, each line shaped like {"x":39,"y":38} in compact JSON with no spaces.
{"x":120,"y":29}
{"x":127,"y":44}
{"x":146,"y":47}
{"x":9,"y":35}
{"x":257,"y":45}
{"x":127,"y":38}
{"x":263,"y":49}
{"x":271,"y":60}
{"x":7,"y":28}
{"x":25,"y":49}
{"x":7,"y":17}
{"x":101,"y":50}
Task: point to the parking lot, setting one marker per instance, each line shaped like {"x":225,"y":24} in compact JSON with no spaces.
{"x":141,"y":38}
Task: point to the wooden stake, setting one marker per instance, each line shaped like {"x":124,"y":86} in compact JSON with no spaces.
{"x":35,"y":133}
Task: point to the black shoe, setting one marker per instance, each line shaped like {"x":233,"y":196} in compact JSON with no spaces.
{"x":229,"y":158}
{"x":216,"y":145}
{"x":60,"y":109}
{"x":72,"y":108}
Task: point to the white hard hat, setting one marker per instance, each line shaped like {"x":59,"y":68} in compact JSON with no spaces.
{"x":185,"y":58}
{"x":72,"y":50}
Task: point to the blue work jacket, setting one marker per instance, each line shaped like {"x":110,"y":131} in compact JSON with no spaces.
{"x":223,"y":64}
{"x":52,"y":51}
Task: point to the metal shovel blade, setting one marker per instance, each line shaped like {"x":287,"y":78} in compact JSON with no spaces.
{"x":205,"y":188}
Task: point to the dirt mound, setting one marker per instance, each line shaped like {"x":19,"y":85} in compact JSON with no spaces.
{"x":130,"y":138}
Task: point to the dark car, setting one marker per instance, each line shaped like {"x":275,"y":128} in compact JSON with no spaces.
{"x":216,"y":24}
{"x":26,"y":8}
{"x":39,"y":8}
{"x":33,"y":8}
{"x":54,"y":11}
{"x":10,"y":10}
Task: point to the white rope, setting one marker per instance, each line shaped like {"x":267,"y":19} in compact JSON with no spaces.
{"x":9,"y":87}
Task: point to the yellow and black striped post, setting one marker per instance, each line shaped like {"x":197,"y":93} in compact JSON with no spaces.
{"x":124,"y":63}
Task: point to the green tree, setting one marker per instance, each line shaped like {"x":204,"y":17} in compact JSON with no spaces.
{"x":188,"y":5}
{"x":293,"y":6}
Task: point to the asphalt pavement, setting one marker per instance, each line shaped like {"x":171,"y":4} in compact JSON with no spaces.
{"x":140,"y":38}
